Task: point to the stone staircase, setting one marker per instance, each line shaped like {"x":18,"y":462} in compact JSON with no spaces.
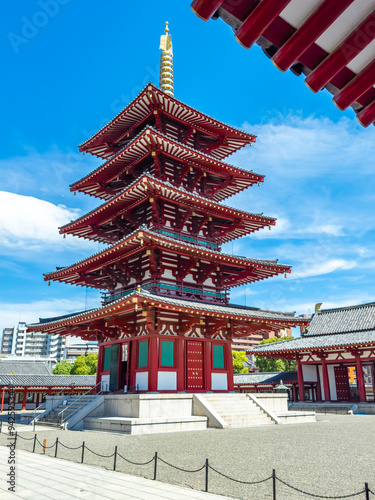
{"x":71,"y":404}
{"x":238,"y":410}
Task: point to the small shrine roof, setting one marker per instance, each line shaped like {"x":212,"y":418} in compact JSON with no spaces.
{"x":317,"y":342}
{"x":59,"y":381}
{"x":141,"y":146}
{"x":339,"y":327}
{"x":231,"y":311}
{"x":137,"y":190}
{"x":69,"y":274}
{"x":264,"y":378}
{"x":151,"y":98}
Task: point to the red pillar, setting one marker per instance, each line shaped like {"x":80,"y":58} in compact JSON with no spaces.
{"x":24,"y":398}
{"x":301,"y":388}
{"x":230,"y":366}
{"x":49,"y":391}
{"x":2,"y":400}
{"x":360,"y":378}
{"x":180,"y":364}
{"x":318,"y":387}
{"x":327,"y":392}
{"x":153,"y":364}
{"x":99,"y":366}
{"x":207,"y":349}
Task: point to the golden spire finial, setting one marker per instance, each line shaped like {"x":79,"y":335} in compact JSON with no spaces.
{"x":166,"y":62}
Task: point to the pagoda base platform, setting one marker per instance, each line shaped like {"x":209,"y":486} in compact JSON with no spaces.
{"x":154,"y":413}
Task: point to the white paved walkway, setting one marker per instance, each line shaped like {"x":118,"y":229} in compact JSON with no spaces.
{"x":39,"y":477}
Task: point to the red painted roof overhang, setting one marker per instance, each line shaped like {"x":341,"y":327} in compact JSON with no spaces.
{"x":147,"y":186}
{"x":152,"y":98}
{"x":138,"y":242}
{"x":332,"y":42}
{"x":150,"y":140}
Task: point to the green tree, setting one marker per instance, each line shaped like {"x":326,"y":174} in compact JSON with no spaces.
{"x":85,"y":365}
{"x":239,"y":358}
{"x":266,"y":364}
{"x":62,"y":368}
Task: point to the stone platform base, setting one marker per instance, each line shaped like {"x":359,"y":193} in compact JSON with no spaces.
{"x":145,"y":425}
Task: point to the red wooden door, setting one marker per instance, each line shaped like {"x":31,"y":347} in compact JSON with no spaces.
{"x":342,"y":383}
{"x":194,"y":365}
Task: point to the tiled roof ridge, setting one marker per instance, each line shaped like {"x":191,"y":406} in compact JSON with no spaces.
{"x":357,"y":330}
{"x":170,"y":185}
{"x":149,"y":127}
{"x":131,"y":103}
{"x":174,"y":240}
{"x":345,"y":308}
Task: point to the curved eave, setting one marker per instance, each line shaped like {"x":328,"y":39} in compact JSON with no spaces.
{"x":130,"y":304}
{"x":136,"y":242}
{"x":141,"y":106}
{"x":141,"y":147}
{"x":138,"y":192}
{"x":332,"y":44}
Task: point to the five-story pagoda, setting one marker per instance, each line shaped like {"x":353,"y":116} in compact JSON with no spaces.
{"x":165,"y":323}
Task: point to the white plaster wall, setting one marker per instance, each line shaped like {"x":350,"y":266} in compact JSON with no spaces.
{"x":332,"y":381}
{"x":309,"y":373}
{"x":168,"y":274}
{"x":321,"y":382}
{"x":105,"y":383}
{"x":167,"y":381}
{"x":141,"y":380}
{"x":219,"y":381}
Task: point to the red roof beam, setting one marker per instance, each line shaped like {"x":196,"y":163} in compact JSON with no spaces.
{"x":204,"y":9}
{"x":356,"y":87}
{"x":314,"y":26}
{"x":258,"y":21}
{"x":346,"y":51}
{"x":367,"y":115}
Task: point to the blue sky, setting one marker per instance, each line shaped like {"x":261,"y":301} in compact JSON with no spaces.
{"x":71,"y":66}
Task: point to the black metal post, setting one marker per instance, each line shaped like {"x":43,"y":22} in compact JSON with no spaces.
{"x":34,"y":443}
{"x":57,"y":442}
{"x":15,"y":440}
{"x":155,"y":464}
{"x":367,"y":491}
{"x":206,"y":486}
{"x":273,"y":484}
{"x":115,"y":458}
{"x":83,"y":452}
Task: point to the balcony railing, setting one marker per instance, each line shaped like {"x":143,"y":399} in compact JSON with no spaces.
{"x":184,"y":291}
{"x":209,"y":242}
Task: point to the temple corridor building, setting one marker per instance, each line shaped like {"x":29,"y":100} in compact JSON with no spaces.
{"x":165,"y":323}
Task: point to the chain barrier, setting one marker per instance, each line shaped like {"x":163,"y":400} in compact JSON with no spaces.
{"x":98,"y":454}
{"x":178,"y":468}
{"x":135,"y":463}
{"x":68,"y":447}
{"x":320,"y":496}
{"x":25,"y":439}
{"x":237,"y":480}
{"x":206,"y":466}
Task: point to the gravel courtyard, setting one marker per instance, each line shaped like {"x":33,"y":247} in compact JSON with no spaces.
{"x":332,"y":457}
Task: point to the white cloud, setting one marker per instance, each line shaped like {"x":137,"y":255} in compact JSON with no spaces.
{"x":308,"y":270}
{"x":30,"y":223}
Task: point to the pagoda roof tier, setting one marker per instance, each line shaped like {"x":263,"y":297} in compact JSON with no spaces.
{"x":222,"y":180}
{"x":235,"y":270}
{"x":153,"y":104}
{"x":100,"y":224}
{"x":95,"y":319}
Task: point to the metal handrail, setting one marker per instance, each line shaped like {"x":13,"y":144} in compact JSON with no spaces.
{"x":53,"y":405}
{"x":62,"y":420}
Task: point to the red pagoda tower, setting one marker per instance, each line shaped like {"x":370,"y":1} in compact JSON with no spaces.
{"x":165,"y":323}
